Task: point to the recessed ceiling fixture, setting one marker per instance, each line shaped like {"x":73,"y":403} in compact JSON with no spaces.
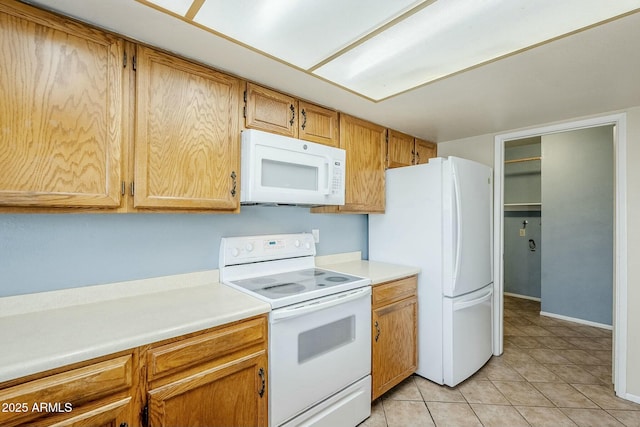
{"x":379,"y":48}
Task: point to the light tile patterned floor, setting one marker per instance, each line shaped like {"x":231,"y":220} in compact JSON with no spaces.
{"x":552,"y":373}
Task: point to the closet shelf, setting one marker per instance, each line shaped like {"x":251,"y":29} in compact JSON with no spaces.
{"x":534,"y":206}
{"x":526,"y":159}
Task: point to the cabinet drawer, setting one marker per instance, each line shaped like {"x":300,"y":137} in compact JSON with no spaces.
{"x":397,"y":290}
{"x":176,"y":356}
{"x":67,"y":389}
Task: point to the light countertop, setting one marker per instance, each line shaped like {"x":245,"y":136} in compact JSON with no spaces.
{"x":44,"y":331}
{"x":378,"y":272}
{"x":41,"y":340}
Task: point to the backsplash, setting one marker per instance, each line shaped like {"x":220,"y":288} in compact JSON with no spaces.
{"x":48,"y":252}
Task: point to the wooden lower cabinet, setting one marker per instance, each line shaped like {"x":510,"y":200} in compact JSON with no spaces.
{"x":104,"y":414}
{"x":394,"y":334}
{"x":216,"y":377}
{"x":97,"y":393}
{"x":221,"y":396}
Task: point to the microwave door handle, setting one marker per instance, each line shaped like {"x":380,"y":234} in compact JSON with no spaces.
{"x":329,"y":170}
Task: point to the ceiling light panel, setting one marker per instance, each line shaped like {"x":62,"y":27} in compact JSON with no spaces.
{"x":453,"y":35}
{"x":302,"y":33}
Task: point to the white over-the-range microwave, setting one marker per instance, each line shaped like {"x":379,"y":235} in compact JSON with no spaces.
{"x":277,"y":169}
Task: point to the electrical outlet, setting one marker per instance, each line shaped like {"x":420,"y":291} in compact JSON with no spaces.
{"x":316,"y":235}
{"x":523,"y":232}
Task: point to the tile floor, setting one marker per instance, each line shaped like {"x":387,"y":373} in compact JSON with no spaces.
{"x":552,"y":373}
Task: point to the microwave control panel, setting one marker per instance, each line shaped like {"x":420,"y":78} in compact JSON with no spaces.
{"x":338,"y":176}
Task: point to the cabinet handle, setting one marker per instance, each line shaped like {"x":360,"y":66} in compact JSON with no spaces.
{"x":293,"y":114}
{"x":377,"y":330}
{"x":304,"y":119}
{"x":264,"y":384}
{"x":233,"y":180}
{"x":417,"y":158}
{"x":124,"y":425}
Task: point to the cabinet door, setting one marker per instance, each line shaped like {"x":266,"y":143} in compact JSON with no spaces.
{"x":394,"y":352}
{"x":318,"y":124}
{"x":80,"y":393}
{"x":271,"y":111}
{"x":366,"y":146}
{"x":61,"y":91}
{"x":400,"y":149}
{"x":230,"y":395}
{"x":425,"y":150}
{"x":187,"y":142}
{"x":110,"y":414}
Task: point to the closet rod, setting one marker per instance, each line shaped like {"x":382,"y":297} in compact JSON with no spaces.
{"x":527,"y":159}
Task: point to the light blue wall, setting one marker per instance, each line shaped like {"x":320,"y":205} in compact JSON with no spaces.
{"x":577,"y":231}
{"x":522,"y":266}
{"x":48,"y":252}
{"x":522,"y":185}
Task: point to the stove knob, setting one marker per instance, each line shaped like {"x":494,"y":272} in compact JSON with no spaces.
{"x":307,"y":245}
{"x":235,"y":252}
{"x":297,"y":243}
{"x":249,"y":247}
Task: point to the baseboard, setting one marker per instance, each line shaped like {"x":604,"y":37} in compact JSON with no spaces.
{"x":576,"y":320}
{"x":631,"y":397}
{"x":522,"y":296}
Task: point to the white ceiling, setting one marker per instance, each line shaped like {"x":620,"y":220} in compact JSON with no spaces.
{"x":590,"y":72}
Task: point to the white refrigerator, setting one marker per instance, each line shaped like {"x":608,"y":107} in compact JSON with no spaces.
{"x":438,"y":217}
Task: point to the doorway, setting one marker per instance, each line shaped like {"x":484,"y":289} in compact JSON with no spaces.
{"x":619,"y":246}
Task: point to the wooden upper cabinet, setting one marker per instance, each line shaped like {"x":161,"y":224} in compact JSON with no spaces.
{"x":318,"y":124}
{"x":271,"y":111}
{"x":61,"y":120}
{"x":365,"y":144}
{"x":276,"y":112}
{"x":425,"y":150}
{"x":400,"y":149}
{"x":187,"y":142}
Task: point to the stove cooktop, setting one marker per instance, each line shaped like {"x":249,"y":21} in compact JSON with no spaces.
{"x":299,"y":285}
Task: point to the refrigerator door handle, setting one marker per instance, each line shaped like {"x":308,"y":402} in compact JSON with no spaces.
{"x":457,"y":226}
{"x":467,"y":304}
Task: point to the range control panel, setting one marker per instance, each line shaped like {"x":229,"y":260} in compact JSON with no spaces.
{"x":248,"y":249}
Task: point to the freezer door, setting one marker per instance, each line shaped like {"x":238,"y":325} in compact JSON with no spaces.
{"x":467,"y":226}
{"x":467,"y":334}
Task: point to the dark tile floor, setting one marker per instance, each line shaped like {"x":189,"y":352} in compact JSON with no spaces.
{"x":552,"y":373}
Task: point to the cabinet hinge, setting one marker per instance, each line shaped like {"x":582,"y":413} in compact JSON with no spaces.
{"x":133,"y":187}
{"x":144,"y":415}
{"x":124,"y":60}
{"x":245,"y":96}
{"x":134,"y":63}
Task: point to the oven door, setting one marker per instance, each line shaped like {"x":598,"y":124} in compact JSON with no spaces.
{"x":317,"y":349}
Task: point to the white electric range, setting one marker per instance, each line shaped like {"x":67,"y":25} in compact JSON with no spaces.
{"x":319,"y":329}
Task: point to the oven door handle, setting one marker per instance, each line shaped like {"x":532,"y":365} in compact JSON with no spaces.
{"x":310,"y":307}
